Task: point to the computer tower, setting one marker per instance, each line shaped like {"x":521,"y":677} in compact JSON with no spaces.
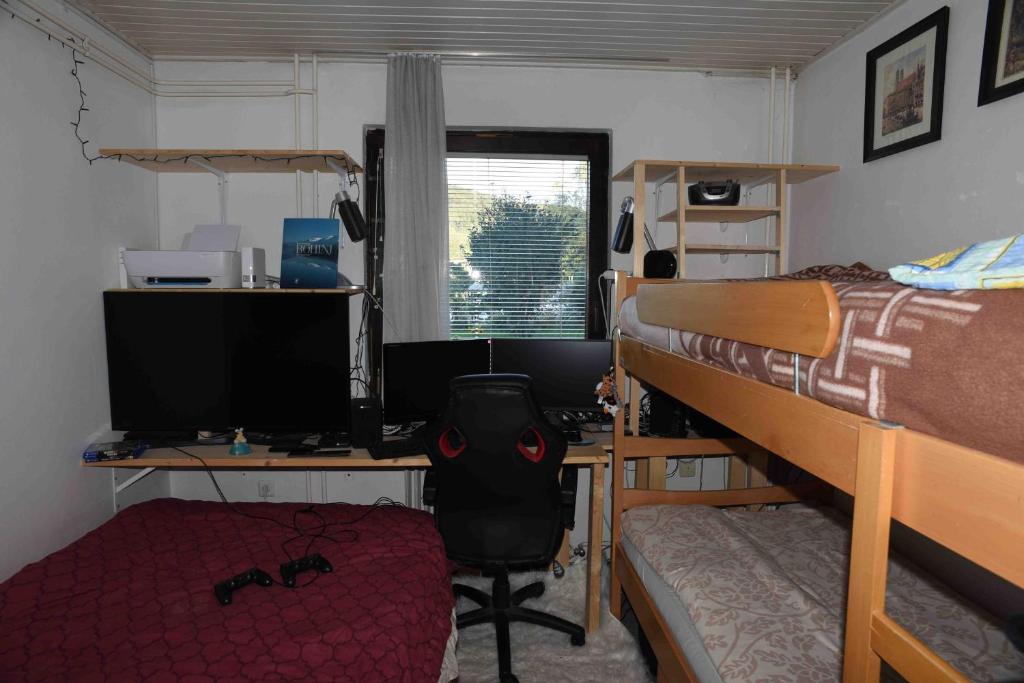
{"x":667,"y":415}
{"x":366,"y":422}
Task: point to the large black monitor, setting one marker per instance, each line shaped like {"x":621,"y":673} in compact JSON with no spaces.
{"x":416,"y":375}
{"x":265,"y":361}
{"x":564,"y":371}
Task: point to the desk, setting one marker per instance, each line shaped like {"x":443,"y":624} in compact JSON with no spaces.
{"x":216,"y":457}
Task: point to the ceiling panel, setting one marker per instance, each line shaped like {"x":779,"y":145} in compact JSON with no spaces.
{"x":715,"y":35}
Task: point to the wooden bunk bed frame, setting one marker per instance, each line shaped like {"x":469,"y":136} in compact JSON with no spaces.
{"x":969,"y":501}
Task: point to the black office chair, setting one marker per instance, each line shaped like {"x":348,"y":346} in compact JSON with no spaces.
{"x":497,"y":499}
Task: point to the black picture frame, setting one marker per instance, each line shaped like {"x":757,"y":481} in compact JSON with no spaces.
{"x":938,"y":22}
{"x":988,"y":91}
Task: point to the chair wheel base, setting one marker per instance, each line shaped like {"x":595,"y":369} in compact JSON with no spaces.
{"x":578,"y":641}
{"x":509,"y":678}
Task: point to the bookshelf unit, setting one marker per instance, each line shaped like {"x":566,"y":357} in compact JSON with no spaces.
{"x":681,"y":173}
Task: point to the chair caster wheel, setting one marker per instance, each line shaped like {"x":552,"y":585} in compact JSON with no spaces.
{"x":509,"y":678}
{"x":578,"y":641}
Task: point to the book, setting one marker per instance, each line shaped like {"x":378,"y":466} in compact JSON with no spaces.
{"x":309,"y":253}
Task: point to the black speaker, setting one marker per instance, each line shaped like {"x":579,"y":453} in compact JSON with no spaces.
{"x":366,"y":422}
{"x":660,"y":263}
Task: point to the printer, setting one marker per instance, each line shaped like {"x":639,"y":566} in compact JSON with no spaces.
{"x":209,"y":258}
{"x":170,"y":268}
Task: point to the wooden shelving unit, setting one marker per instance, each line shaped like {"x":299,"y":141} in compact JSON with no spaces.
{"x":722,"y":214}
{"x":679,"y":173}
{"x":236,"y":160}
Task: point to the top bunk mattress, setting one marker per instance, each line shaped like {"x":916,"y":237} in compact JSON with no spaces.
{"x":944,"y":363}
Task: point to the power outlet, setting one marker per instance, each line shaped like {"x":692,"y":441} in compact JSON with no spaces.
{"x":687,"y":468}
{"x":265,"y":488}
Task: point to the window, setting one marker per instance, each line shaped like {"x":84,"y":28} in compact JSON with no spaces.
{"x":537,"y":202}
{"x":517,"y":237}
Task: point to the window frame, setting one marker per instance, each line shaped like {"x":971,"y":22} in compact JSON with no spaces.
{"x":593,"y":145}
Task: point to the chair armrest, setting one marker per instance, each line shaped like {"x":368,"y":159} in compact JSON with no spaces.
{"x":569,"y":477}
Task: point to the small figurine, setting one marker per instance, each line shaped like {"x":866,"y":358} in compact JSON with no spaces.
{"x":607,"y":394}
{"x":240,"y":446}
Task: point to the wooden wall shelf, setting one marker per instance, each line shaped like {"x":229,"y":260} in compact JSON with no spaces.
{"x":236,"y":160}
{"x":715,"y":171}
{"x":339,"y":291}
{"x":722,"y":214}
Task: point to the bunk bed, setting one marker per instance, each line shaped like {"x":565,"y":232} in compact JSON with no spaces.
{"x":134,"y":598}
{"x":745,"y":353}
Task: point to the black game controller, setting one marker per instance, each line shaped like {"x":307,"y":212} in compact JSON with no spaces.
{"x":224,"y":589}
{"x":290,"y":569}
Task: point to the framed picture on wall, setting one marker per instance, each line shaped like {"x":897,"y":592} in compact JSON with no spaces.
{"x":903,"y":98}
{"x":1002,"y":60}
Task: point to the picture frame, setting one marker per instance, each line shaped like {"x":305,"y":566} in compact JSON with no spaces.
{"x":1002,"y":59}
{"x":905,"y":80}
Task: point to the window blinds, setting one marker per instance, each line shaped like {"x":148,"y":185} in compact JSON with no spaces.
{"x":518,"y":246}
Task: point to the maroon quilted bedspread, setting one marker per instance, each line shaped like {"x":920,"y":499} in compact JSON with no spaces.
{"x":133,"y":600}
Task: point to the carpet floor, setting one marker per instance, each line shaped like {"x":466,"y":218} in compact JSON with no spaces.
{"x":541,"y":655}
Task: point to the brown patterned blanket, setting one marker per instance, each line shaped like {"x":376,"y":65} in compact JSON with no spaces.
{"x":943,"y":363}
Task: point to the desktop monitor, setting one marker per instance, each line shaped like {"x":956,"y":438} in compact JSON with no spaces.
{"x":265,"y":361}
{"x":416,"y":375}
{"x":564,"y":371}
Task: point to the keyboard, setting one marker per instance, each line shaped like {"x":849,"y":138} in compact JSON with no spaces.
{"x":397,"y":448}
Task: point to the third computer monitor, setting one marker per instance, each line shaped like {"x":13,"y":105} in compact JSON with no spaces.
{"x":565,"y":372}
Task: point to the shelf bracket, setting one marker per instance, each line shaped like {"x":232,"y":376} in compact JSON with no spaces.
{"x":222,"y":185}
{"x":344,"y":174}
{"x":142,"y":474}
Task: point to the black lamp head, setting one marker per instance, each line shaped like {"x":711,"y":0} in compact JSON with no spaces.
{"x":622,"y":242}
{"x":351,"y":217}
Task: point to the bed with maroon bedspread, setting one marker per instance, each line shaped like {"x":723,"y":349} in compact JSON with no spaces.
{"x":133,"y":599}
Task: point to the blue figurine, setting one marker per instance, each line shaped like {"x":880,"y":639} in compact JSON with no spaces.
{"x":240,"y":446}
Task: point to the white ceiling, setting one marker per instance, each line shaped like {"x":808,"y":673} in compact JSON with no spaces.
{"x":713,"y":35}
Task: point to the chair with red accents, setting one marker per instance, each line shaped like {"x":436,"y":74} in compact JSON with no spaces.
{"x":498,"y":502}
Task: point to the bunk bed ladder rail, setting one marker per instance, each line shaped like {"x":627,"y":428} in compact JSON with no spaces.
{"x":871,"y":634}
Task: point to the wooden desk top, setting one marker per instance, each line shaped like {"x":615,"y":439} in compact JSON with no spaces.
{"x":261,"y":458}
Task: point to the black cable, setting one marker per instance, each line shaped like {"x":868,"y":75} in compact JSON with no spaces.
{"x":75,"y":63}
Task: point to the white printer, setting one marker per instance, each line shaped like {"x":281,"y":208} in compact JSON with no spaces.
{"x":169,"y":268}
{"x":209,"y":258}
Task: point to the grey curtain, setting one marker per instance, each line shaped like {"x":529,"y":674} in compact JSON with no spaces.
{"x":416,"y":202}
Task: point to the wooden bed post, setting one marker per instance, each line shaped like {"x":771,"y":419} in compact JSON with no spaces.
{"x":642,"y":473}
{"x":869,"y":550}
{"x":618,"y":462}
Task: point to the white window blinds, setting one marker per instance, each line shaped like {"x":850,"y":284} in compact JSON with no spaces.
{"x":518,"y":246}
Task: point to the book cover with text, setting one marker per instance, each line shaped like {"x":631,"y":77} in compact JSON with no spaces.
{"x":309,"y":253}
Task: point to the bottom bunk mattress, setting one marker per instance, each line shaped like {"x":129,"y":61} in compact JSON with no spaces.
{"x":134,"y":600}
{"x":761,"y":596}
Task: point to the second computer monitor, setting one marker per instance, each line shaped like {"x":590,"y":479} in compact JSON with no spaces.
{"x":565,"y":372}
{"x":416,"y":375}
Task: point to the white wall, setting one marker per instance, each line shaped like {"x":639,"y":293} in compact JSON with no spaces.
{"x":59,"y":228}
{"x":969,"y":186}
{"x":649,"y":115}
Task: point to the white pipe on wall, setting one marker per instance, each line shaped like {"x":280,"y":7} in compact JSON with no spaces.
{"x":784,"y":156}
{"x":771,"y":116}
{"x":95,"y":51}
{"x":298,"y":136}
{"x":316,"y":133}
